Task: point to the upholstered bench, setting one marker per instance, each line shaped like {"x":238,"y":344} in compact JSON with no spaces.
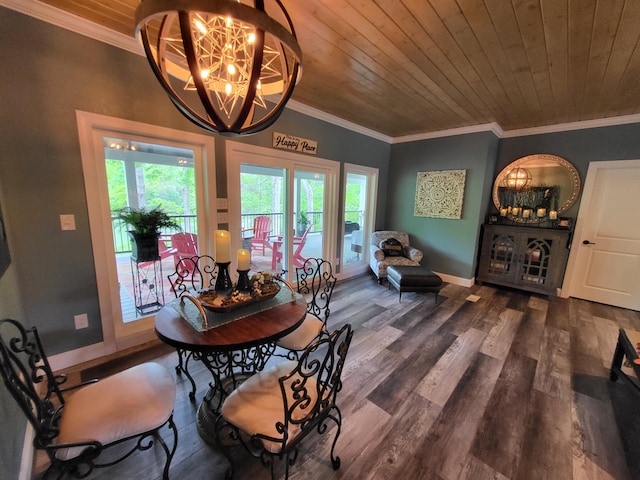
{"x":413,"y":279}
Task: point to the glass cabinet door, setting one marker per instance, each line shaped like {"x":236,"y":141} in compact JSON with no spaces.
{"x":535,"y":263}
{"x":502,"y":256}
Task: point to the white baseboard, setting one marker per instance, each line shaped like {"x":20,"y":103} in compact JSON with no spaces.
{"x":28,"y":454}
{"x":79,"y":355}
{"x":463,"y":282}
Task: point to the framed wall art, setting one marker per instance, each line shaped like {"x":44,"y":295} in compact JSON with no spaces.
{"x":439,"y":194}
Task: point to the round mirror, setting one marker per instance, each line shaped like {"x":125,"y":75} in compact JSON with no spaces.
{"x":536,"y":188}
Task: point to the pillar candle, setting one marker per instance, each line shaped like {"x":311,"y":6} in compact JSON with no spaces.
{"x":553,"y":214}
{"x":526,"y":212}
{"x":503,"y":212}
{"x":542,"y":212}
{"x":515,"y":211}
{"x":244,"y":259}
{"x":222,"y":245}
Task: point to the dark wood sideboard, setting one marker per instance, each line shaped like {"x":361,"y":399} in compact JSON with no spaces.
{"x":528,"y":258}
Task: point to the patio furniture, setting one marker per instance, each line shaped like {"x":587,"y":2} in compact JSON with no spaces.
{"x":298,"y":246}
{"x":184,"y":245}
{"x":261,"y":233}
{"x":274,"y":410}
{"x":381,"y":259}
{"x":122,"y":413}
{"x":413,"y":279}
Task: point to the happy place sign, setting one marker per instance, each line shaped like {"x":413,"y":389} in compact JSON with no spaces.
{"x":295,"y":144}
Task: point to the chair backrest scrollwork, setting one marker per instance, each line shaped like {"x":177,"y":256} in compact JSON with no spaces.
{"x":28,"y":376}
{"x":193,"y":273}
{"x":316,"y":282}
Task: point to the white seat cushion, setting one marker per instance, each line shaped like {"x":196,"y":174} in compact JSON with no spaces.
{"x":128,"y":403}
{"x":302,"y":336}
{"x":257,"y":405}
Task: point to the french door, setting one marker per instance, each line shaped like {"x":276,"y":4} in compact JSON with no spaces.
{"x":142,"y":166}
{"x":359,"y":207}
{"x":296,"y":193}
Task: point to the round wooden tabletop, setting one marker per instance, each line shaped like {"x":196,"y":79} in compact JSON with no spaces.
{"x":255,"y":329}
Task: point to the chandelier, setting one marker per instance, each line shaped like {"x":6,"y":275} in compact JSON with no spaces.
{"x":518,"y":178}
{"x":229,"y":66}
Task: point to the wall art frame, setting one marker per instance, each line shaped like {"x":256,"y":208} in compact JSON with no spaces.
{"x":440,"y":194}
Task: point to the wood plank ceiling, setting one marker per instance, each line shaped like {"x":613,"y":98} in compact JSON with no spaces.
{"x":402,"y":67}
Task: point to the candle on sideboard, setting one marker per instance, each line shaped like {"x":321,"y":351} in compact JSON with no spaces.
{"x":526,"y":212}
{"x":244,"y":259}
{"x":542,"y":212}
{"x":515,"y":211}
{"x":222,"y":245}
{"x":503,"y":212}
{"x":553,"y":214}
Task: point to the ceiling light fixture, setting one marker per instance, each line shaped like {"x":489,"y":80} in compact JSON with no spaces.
{"x":518,"y":178}
{"x":229,"y":66}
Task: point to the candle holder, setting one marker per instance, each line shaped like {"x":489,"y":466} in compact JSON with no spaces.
{"x":244,"y":284}
{"x":223,"y":280}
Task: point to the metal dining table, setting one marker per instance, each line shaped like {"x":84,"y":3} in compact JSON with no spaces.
{"x":231,"y":351}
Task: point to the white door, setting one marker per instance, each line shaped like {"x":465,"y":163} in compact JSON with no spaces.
{"x":604,"y":265}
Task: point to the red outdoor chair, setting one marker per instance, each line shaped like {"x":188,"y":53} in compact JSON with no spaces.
{"x":298,"y":245}
{"x":261,"y":233}
{"x":184,"y":245}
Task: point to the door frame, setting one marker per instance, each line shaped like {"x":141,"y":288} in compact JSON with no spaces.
{"x":350,"y":270}
{"x":582,"y":220}
{"x":91,"y":129}
{"x":238,"y":153}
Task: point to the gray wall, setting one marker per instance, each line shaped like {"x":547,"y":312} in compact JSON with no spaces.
{"x":450,"y":246}
{"x":47,"y":74}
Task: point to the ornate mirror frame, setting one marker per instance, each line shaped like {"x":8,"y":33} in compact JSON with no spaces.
{"x":545,"y":185}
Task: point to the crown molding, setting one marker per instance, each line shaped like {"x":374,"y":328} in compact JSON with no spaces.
{"x":486,"y":127}
{"x":566,"y":127}
{"x":332,"y":119}
{"x":76,"y":24}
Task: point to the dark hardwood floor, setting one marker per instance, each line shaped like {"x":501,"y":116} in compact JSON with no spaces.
{"x":500,"y":385}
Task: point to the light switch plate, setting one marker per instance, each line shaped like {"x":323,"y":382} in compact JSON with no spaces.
{"x":222,"y":204}
{"x":223,"y":217}
{"x":67,"y":222}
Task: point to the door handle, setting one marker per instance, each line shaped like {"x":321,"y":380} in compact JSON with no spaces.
{"x":587,"y":242}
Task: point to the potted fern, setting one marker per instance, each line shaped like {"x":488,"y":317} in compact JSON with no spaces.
{"x":146,"y":226}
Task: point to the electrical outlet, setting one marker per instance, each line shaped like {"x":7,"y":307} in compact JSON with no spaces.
{"x":81,"y":321}
{"x":223,"y":217}
{"x":222,"y":204}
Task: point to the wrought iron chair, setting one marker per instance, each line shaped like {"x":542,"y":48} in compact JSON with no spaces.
{"x":316,"y":282}
{"x":274,"y":410}
{"x":192,"y":273}
{"x":130,"y":407}
{"x":261,"y":232}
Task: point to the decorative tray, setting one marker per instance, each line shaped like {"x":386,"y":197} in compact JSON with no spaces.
{"x":227,"y":303}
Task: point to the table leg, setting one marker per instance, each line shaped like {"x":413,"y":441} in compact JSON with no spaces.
{"x":228,"y":370}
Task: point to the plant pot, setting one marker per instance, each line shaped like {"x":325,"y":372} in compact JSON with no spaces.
{"x":300,"y":228}
{"x":144,"y":246}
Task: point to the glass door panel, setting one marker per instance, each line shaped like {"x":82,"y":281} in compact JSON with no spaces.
{"x":309,"y":215}
{"x":359,"y":210}
{"x":262,"y":212}
{"x":147,"y":175}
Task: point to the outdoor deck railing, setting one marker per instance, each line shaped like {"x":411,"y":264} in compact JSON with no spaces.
{"x":189,"y":224}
